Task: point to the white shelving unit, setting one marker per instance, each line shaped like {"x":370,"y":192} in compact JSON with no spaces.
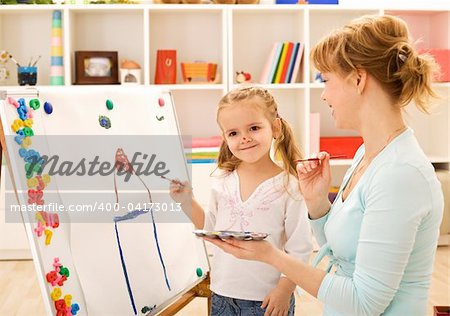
{"x":238,"y":38}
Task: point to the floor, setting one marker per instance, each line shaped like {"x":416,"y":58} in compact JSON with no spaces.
{"x":20,"y":294}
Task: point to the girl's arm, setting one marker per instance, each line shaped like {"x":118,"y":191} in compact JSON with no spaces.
{"x":196,"y":213}
{"x":182,"y":193}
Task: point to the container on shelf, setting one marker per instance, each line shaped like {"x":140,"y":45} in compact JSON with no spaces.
{"x":345,"y":145}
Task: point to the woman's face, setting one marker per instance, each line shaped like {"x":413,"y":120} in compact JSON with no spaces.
{"x":341,"y":95}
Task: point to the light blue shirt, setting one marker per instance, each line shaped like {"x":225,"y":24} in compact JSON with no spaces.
{"x":382,"y":239}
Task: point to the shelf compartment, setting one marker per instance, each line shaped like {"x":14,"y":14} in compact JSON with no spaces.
{"x":198,"y":36}
{"x":197,"y":87}
{"x":252,"y":37}
{"x":18,"y":29}
{"x":197,"y":112}
{"x":108,"y":30}
{"x":292,"y":108}
{"x":273,"y":86}
{"x":322,"y":21}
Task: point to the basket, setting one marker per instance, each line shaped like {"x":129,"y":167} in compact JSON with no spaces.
{"x":202,"y":71}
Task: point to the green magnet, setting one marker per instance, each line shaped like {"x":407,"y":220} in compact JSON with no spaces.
{"x":35,"y":104}
{"x":109,"y":104}
{"x":199,"y":272}
{"x":64,"y":271}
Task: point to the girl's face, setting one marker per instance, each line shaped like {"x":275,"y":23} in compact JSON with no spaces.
{"x":247,"y":132}
{"x":341,"y":94}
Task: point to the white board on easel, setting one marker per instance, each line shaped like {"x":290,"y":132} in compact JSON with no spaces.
{"x":160,"y":258}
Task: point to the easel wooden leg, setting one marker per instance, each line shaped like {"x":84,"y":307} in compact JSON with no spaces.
{"x":200,"y":290}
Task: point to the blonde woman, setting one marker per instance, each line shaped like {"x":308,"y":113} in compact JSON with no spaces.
{"x":381,"y":232}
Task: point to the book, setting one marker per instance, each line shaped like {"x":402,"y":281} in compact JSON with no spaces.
{"x":268,"y":64}
{"x":273,"y":67}
{"x":297,"y":63}
{"x":285,"y":68}
{"x":292,"y":62}
{"x":198,"y":142}
{"x":281,"y":63}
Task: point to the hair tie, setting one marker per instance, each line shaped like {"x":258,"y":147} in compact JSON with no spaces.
{"x":402,"y":57}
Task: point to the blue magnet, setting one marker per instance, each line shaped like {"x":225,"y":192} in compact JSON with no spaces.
{"x":48,"y":107}
{"x":104,"y":121}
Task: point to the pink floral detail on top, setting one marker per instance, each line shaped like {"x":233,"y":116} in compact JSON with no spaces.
{"x":259,"y":201}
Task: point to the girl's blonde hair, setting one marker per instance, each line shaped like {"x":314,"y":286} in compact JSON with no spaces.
{"x":284,"y":144}
{"x":381,"y":46}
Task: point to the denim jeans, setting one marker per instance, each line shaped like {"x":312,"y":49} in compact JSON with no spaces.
{"x":227,"y":306}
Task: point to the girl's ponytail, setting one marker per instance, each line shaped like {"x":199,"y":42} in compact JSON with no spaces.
{"x":286,"y":147}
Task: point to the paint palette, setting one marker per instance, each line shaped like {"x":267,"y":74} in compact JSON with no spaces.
{"x":227,"y":234}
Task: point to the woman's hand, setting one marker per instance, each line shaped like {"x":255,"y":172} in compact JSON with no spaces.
{"x":315,"y":180}
{"x":181,"y":192}
{"x":250,"y":250}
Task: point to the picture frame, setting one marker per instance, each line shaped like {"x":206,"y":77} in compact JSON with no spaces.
{"x":96,"y":67}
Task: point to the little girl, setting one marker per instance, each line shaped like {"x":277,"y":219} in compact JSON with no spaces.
{"x":254,"y":194}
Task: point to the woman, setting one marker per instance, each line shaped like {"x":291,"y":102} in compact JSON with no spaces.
{"x":381,"y":231}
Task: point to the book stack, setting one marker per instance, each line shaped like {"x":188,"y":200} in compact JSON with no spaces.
{"x":203,"y":150}
{"x":283,"y":63}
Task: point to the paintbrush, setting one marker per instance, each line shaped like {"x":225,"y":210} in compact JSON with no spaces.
{"x":316,"y":159}
{"x":174,"y":181}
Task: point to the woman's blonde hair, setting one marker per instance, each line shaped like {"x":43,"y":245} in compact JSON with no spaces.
{"x":381,"y":46}
{"x":284,"y":145}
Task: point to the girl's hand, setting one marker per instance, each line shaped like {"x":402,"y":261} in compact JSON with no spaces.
{"x":181,"y":192}
{"x":248,"y":250}
{"x":277,"y":302}
{"x":315,"y":180}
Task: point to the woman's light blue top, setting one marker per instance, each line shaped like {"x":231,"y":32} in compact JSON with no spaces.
{"x":382,"y":238}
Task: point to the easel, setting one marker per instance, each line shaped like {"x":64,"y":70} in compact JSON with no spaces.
{"x":200,"y":290}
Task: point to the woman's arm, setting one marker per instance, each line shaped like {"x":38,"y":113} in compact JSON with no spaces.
{"x":300,"y":273}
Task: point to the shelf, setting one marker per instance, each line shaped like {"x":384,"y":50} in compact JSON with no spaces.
{"x":316,"y":85}
{"x":175,"y":87}
{"x":237,"y":38}
{"x":275,"y":86}
{"x":341,"y":162}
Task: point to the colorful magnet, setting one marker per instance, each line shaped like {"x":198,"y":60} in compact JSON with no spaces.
{"x":48,"y":108}
{"x":28,"y":123}
{"x":161,"y":102}
{"x":35,"y":104}
{"x":104,"y":121}
{"x":16,"y":125}
{"x":75,"y":308}
{"x":39,"y":229}
{"x":56,"y":294}
{"x":147,"y":309}
{"x":19,"y":139}
{"x":26,"y":141}
{"x":13,"y":102}
{"x":64,"y":271}
{"x":68,"y":300}
{"x":48,"y":238}
{"x":109,"y":104}
{"x":199,"y":272}
{"x":28,"y":131}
